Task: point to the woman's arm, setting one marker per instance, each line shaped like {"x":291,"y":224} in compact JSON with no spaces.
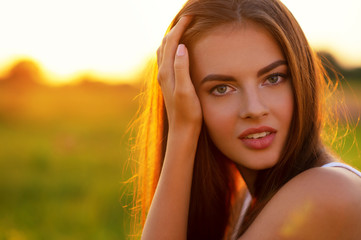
{"x":168,"y":214}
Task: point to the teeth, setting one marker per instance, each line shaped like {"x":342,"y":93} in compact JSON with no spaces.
{"x":258,"y":135}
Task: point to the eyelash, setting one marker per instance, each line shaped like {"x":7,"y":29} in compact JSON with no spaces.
{"x":277,"y":74}
{"x":213,"y":90}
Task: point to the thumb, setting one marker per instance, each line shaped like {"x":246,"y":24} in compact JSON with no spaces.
{"x":181,"y":68}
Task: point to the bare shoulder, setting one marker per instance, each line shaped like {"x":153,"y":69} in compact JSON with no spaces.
{"x":320,"y":203}
{"x":333,"y":185}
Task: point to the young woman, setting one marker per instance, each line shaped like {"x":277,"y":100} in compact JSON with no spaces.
{"x":231,"y":135}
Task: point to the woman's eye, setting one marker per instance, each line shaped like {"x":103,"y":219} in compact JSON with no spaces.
{"x":275,"y":79}
{"x":220,"y":90}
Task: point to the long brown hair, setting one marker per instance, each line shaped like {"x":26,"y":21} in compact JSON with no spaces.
{"x":214,"y":180}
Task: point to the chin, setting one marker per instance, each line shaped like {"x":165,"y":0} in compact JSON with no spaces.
{"x":260,"y":164}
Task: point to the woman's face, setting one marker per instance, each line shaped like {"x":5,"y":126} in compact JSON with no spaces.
{"x":242,"y":81}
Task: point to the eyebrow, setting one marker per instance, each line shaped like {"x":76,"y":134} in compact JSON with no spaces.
{"x":225,"y":78}
{"x":270,"y":67}
{"x":218,"y":77}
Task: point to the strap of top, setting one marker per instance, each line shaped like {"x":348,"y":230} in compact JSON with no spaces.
{"x":338,"y":164}
{"x":246,"y":203}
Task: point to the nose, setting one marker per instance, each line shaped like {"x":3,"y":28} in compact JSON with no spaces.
{"x":253,"y":106}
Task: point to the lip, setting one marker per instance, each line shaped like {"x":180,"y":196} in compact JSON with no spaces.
{"x":256,"y":130}
{"x":259,"y":143}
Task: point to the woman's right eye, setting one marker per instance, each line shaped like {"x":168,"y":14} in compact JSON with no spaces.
{"x":221,"y":90}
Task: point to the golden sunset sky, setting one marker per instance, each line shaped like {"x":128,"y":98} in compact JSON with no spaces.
{"x":113,"y":38}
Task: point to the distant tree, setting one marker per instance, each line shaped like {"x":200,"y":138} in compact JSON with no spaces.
{"x":24,"y":74}
{"x":332,"y":65}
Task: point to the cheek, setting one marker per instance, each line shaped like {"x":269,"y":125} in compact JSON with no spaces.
{"x":283,"y":104}
{"x":287,"y":104}
{"x":220,"y":115}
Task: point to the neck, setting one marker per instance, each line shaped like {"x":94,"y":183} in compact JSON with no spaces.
{"x":249,"y":177}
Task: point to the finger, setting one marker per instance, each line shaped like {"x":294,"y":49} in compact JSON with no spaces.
{"x":173,"y":37}
{"x":170,"y":46}
{"x":181,"y":69}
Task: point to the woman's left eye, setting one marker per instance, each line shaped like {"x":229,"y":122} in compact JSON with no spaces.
{"x":221,"y":90}
{"x":275,"y":79}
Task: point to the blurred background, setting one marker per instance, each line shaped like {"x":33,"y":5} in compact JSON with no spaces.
{"x":70,"y":72}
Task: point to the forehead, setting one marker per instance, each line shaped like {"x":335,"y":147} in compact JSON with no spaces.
{"x":233,"y":49}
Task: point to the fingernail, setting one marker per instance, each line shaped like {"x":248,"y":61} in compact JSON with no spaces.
{"x":181,"y":50}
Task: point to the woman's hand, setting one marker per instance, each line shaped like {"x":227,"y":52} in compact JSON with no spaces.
{"x":181,"y":100}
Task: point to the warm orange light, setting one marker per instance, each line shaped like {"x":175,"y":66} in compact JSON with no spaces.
{"x":114,"y":38}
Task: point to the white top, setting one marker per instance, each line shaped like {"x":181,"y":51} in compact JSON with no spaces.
{"x":245,"y":206}
{"x":248,"y":198}
{"x":338,"y":164}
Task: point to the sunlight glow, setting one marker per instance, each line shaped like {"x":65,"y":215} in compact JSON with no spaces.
{"x":104,"y":37}
{"x":296,"y":220}
{"x":115,"y":37}
{"x":331,"y":25}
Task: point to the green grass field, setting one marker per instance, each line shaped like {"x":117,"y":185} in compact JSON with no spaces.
{"x":63,"y":154}
{"x":64,"y":161}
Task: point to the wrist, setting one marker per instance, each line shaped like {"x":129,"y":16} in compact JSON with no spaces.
{"x":183,"y":138}
{"x":190,"y":130}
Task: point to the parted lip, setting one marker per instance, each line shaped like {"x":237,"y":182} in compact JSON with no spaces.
{"x":249,"y":131}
